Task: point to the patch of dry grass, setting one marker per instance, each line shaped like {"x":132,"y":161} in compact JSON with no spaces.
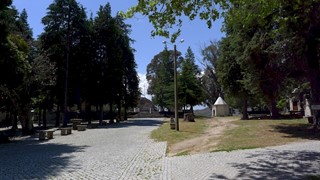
{"x":262,"y":133}
{"x":187,"y":130}
{"x":244,"y":134}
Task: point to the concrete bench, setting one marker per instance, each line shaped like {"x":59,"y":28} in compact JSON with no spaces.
{"x":66,"y":130}
{"x":81,"y":127}
{"x":43,"y":134}
{"x":75,"y":123}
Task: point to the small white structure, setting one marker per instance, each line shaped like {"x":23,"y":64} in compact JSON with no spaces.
{"x":220,"y":108}
{"x":294,"y":101}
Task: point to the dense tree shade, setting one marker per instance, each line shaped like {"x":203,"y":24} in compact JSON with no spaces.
{"x":75,"y":60}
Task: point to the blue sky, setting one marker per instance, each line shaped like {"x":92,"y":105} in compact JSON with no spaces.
{"x":195,"y":33}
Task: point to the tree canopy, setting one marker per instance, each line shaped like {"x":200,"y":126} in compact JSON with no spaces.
{"x":76,"y":61}
{"x":277,"y":40}
{"x":165,"y":15}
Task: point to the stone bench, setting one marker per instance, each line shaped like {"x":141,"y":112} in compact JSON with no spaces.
{"x":75,"y":123}
{"x":46,"y":134}
{"x":81,"y":127}
{"x":66,"y":130}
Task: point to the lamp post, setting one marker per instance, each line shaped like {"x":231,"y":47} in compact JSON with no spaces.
{"x":175,"y":84}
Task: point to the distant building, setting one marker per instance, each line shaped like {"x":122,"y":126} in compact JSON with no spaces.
{"x":145,"y":105}
{"x":220,"y":108}
{"x":299,"y":102}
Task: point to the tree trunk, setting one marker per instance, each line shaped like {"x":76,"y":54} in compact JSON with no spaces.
{"x":314,"y":71}
{"x":39,"y":117}
{"x":100,"y":114}
{"x":244,"y":109}
{"x":44,"y":117}
{"x":191,"y":109}
{"x":119,"y":112}
{"x":314,"y":77}
{"x":14,"y":118}
{"x":274,"y":110}
{"x":111,"y":113}
{"x":125,"y":112}
{"x":88,"y":112}
{"x":26,"y":122}
{"x":58,"y":117}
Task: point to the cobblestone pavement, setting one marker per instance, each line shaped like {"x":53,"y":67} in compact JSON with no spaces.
{"x":125,"y":151}
{"x":293,"y":161}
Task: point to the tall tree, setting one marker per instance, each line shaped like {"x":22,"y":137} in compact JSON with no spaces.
{"x":294,"y":24}
{"x":160,"y":78}
{"x":230,"y":74}
{"x":22,"y":27}
{"x":210,"y":83}
{"x":130,"y":83}
{"x":16,"y":63}
{"x":190,"y":89}
{"x":63,"y":40}
{"x":107,"y":57}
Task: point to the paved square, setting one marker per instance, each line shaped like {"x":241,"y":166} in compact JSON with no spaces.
{"x":125,"y":151}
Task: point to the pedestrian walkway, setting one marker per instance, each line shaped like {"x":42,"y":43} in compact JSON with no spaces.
{"x":293,"y":161}
{"x":125,"y":151}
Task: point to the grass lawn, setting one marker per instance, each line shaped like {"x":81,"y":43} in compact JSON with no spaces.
{"x":187,"y":130}
{"x":246,"y":134}
{"x":262,"y":133}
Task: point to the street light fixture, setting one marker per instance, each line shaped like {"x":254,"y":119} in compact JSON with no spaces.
{"x":176,"y":119}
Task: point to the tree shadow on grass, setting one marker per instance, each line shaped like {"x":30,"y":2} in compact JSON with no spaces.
{"x":298,"y":131}
{"x":276,"y":164}
{"x":31,"y":159}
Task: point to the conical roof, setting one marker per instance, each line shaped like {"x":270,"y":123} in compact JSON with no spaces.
{"x":220,"y":101}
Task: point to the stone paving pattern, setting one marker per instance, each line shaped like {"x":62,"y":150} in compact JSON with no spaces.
{"x":125,"y":151}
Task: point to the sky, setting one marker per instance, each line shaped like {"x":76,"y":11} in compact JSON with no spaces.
{"x":195,"y":33}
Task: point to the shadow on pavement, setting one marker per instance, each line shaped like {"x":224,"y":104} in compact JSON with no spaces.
{"x":275,"y":164}
{"x":31,"y":159}
{"x":133,"y":122}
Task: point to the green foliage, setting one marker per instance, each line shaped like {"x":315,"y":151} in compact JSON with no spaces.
{"x":189,"y":83}
{"x":270,"y":41}
{"x":228,"y":68}
{"x":17,"y":90}
{"x":160,"y":74}
{"x":101,"y":62}
{"x":37,"y":69}
{"x":211,"y":86}
{"x":265,"y":54}
{"x":114,"y":55}
{"x":167,"y":14}
{"x":65,"y":26}
{"x":160,"y":78}
{"x":282,"y":104}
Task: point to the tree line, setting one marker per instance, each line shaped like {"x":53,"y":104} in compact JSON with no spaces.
{"x":270,"y":48}
{"x":160,"y":72}
{"x":77,"y":61}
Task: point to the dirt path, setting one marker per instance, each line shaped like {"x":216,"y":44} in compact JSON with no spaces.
{"x":207,"y":141}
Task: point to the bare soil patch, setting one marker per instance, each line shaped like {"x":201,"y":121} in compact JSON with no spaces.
{"x":207,"y":141}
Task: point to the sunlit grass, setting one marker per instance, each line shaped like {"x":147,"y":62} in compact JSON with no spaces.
{"x":247,"y":134}
{"x":187,"y":130}
{"x":262,"y":133}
